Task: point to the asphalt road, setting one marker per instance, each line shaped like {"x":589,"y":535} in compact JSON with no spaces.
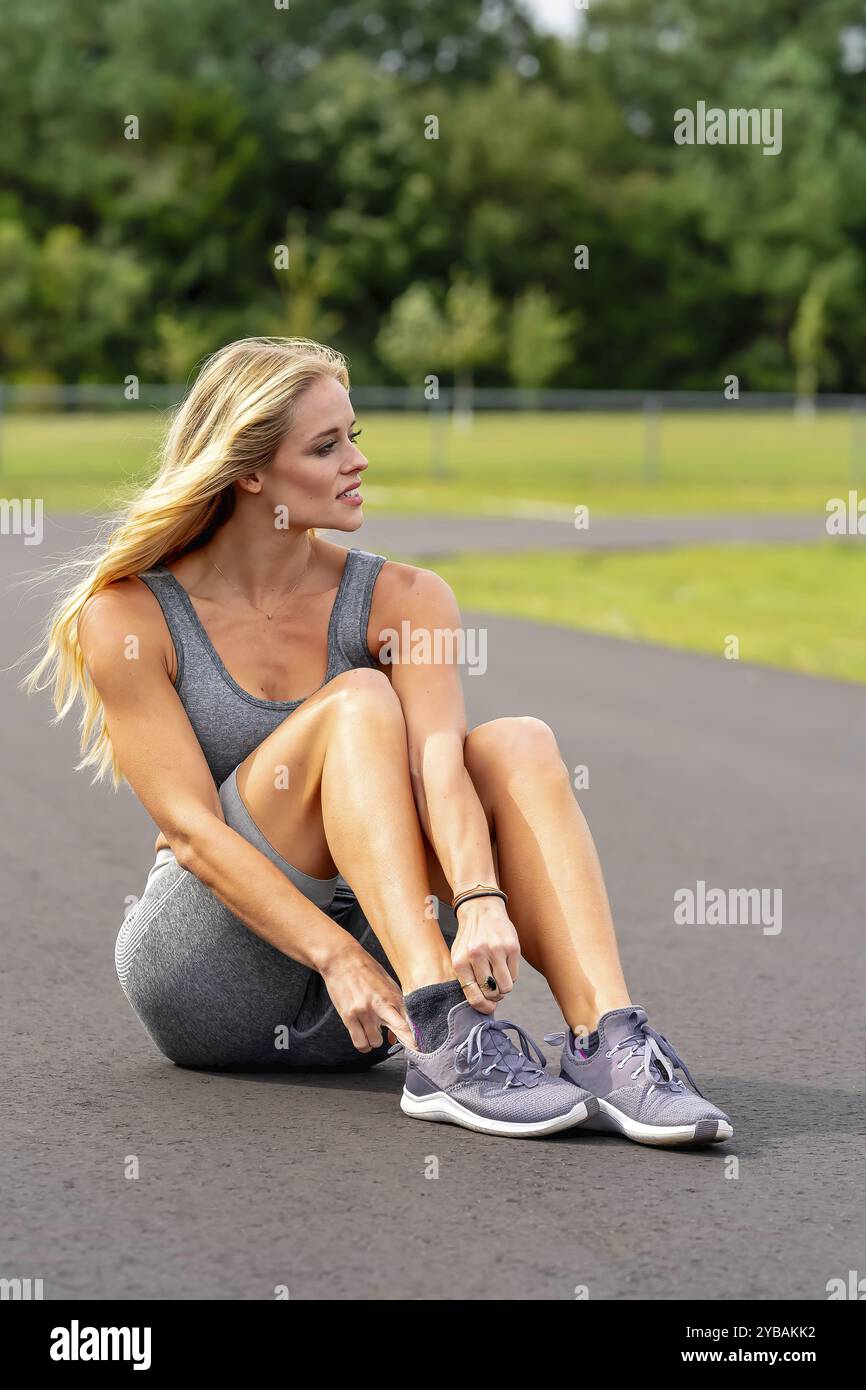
{"x":437,"y":535}
{"x":699,"y":769}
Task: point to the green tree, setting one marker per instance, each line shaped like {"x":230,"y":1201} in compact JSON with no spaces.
{"x":180,"y":344}
{"x":540,"y":338}
{"x":808,"y":336}
{"x":251,"y":119}
{"x":412,"y":339}
{"x":306,"y":285}
{"x":472,"y":337}
{"x":725,"y":240}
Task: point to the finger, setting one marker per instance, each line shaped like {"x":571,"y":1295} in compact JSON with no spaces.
{"x":483,"y":970}
{"x":391,"y":1000}
{"x":357,"y":1033}
{"x":397,"y":1024}
{"x":465,"y":972}
{"x":514,"y":965}
{"x":501,"y":973}
{"x":373,"y":1029}
{"x":477,"y":999}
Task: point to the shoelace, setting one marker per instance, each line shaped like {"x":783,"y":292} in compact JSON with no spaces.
{"x":517,"y":1063}
{"x":659,"y":1062}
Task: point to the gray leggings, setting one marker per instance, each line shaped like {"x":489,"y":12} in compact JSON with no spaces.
{"x":213,"y":994}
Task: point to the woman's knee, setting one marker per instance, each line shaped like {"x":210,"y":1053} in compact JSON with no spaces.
{"x":512,"y":742}
{"x":361,"y":694}
{"x":364,"y":689}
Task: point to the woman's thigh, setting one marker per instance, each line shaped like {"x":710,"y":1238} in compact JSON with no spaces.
{"x":281,"y":780}
{"x":209,"y":991}
{"x":207,"y":988}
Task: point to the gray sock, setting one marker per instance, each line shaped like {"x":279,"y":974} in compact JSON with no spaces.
{"x":428,"y":1012}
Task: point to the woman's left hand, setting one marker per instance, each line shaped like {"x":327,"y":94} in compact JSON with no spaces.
{"x":486,"y":946}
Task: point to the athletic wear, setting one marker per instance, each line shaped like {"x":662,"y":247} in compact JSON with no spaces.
{"x":632,"y":1072}
{"x":480,"y":1080}
{"x":229,"y":722}
{"x":209,"y":991}
{"x":427,"y":1009}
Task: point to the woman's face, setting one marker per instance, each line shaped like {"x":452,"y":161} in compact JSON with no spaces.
{"x":317,"y":468}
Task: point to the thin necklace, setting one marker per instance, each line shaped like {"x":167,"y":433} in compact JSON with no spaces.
{"x":249,"y":600}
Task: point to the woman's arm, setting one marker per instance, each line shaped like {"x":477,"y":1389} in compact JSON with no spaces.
{"x":161,"y":759}
{"x":450,"y":812}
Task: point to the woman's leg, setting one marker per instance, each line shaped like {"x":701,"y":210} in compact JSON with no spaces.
{"x":547,"y":863}
{"x":212,"y":993}
{"x":548,"y":866}
{"x":330,"y":790}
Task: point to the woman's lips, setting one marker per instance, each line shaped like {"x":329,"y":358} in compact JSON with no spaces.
{"x":352,"y":498}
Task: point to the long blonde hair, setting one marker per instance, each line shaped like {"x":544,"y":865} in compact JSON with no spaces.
{"x":229,"y":424}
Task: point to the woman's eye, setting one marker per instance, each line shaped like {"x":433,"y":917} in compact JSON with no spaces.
{"x":329,"y":446}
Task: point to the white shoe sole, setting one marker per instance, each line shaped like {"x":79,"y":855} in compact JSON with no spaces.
{"x":610,"y":1120}
{"x":443,"y":1108}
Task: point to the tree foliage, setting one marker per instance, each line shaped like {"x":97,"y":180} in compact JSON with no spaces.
{"x":309,"y":126}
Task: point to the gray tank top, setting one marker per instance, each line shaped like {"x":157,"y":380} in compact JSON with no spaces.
{"x":229,"y":722}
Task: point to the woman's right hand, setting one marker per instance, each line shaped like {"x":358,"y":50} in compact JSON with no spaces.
{"x":366,"y":998}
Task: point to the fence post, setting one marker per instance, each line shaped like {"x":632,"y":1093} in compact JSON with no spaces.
{"x":856,"y":440}
{"x":439,"y":417}
{"x":652,"y":411}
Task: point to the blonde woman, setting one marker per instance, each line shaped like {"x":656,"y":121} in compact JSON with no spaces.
{"x":340,"y":863}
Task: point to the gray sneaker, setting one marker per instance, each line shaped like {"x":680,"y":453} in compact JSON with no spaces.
{"x":631,"y":1072}
{"x":478,"y":1079}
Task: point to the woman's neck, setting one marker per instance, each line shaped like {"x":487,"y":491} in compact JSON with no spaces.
{"x":260,"y":565}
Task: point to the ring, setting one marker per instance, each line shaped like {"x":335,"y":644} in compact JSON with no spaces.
{"x":490,"y":983}
{"x":464,"y":984}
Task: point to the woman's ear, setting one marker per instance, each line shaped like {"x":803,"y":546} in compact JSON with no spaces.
{"x":251,"y":483}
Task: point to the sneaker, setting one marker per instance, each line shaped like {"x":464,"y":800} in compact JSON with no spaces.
{"x":631,"y":1071}
{"x":477,"y":1078}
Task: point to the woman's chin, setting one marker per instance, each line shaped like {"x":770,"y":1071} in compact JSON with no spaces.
{"x":343,"y":518}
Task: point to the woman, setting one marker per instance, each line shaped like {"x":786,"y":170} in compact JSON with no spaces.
{"x":230,"y":665}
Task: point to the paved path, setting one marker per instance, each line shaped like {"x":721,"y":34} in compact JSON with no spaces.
{"x":436,"y":535}
{"x":699,"y":769}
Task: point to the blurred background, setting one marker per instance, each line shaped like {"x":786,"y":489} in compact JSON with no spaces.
{"x":608,"y":380}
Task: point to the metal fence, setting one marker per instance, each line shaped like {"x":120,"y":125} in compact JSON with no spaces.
{"x":449,"y":403}
{"x":123,"y":396}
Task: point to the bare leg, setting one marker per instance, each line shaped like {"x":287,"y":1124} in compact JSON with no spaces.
{"x":548,"y":866}
{"x":330,"y":790}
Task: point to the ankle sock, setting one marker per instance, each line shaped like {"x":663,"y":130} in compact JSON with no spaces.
{"x":428,"y":1012}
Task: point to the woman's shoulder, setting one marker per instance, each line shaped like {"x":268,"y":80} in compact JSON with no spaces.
{"x":114,"y":607}
{"x":400,"y":588}
{"x":412,"y":590}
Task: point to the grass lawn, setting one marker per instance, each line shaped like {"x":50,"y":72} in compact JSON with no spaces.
{"x":797,"y":606}
{"x":794,"y":606}
{"x":517,"y":464}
